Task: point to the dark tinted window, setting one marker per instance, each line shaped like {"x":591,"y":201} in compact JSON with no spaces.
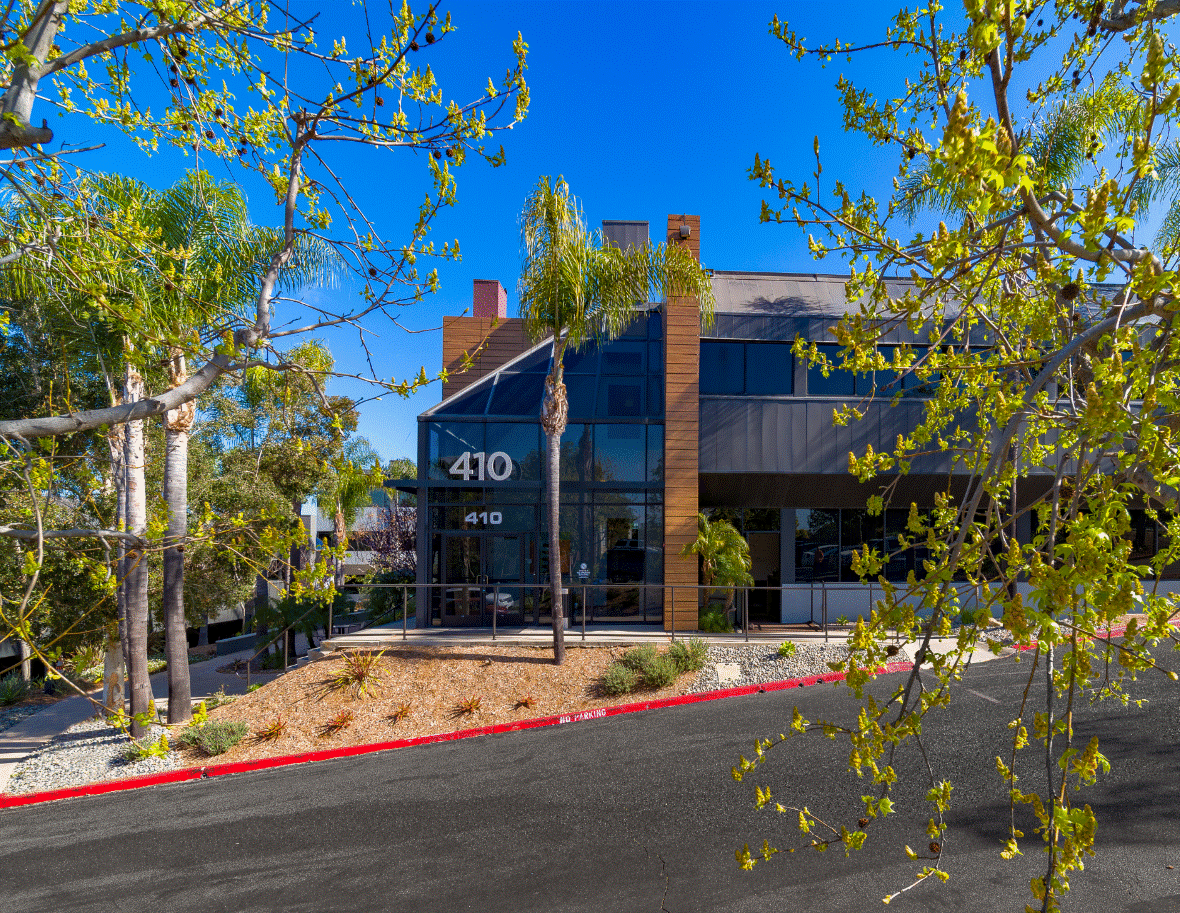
{"x":521,"y":441}
{"x":583,"y":361}
{"x":837,"y":383}
{"x":624,"y":357}
{"x":579,"y":393}
{"x":518,"y":394}
{"x":473,"y":403}
{"x":620,"y":397}
{"x":770,"y":368}
{"x":722,"y":367}
{"x":619,"y":453}
{"x":448,"y":442}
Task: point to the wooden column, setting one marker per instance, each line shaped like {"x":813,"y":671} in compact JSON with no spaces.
{"x":682,"y":350}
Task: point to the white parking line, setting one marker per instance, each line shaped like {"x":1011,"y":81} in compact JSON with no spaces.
{"x":986,"y":697}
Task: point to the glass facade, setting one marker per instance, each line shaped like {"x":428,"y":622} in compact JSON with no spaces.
{"x":735,"y":368}
{"x":826,"y":539}
{"x":487,"y":522}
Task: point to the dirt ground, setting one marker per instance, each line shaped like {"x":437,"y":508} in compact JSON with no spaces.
{"x":508,"y":683}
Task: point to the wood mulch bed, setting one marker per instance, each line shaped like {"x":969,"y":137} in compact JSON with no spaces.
{"x":433,"y":682}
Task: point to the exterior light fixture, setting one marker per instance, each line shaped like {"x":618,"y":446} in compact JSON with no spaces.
{"x":685,"y":232}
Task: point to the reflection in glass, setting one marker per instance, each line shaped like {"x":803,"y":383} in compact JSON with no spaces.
{"x":522,"y":442}
{"x":468,"y":403}
{"x":817,"y":545}
{"x":579,"y":393}
{"x":577,"y":454}
{"x":448,"y":441}
{"x":620,"y":455}
{"x":518,"y":394}
{"x":857,"y":529}
{"x":620,"y":397}
{"x":655,"y":453}
{"x":624,"y":357}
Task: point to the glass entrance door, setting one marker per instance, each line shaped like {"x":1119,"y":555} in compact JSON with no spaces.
{"x":482,"y":574}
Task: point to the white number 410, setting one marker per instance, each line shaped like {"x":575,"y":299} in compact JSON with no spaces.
{"x":497,"y":466}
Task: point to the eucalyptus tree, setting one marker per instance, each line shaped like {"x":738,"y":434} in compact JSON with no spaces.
{"x":1051,"y":322}
{"x":223,"y":101}
{"x":578,"y":289}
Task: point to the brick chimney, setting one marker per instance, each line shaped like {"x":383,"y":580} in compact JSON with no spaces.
{"x":489,"y":299}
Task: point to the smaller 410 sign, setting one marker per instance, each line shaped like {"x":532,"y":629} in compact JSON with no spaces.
{"x":480,"y":466}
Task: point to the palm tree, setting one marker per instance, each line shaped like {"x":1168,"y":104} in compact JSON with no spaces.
{"x":577,"y":289}
{"x":349,"y":489}
{"x":724,"y":555}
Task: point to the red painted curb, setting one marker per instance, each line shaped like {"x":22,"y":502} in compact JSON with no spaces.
{"x":8,"y":800}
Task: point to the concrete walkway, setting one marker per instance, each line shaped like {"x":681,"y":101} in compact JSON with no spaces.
{"x":21,"y":740}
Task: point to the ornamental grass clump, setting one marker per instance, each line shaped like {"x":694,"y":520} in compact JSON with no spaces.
{"x":273,"y":731}
{"x":214,"y":737}
{"x":468,"y":707}
{"x":338,"y":723}
{"x":359,"y":673}
{"x":403,"y":711}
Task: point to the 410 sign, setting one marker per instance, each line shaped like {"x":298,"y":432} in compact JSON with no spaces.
{"x":479,"y":465}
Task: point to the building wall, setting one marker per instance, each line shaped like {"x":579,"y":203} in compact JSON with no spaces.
{"x":682,"y":350}
{"x":491,"y":343}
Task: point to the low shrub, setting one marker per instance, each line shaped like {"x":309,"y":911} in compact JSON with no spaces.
{"x":688,"y":656}
{"x":639,"y":658}
{"x":841,"y":619}
{"x":618,"y":679}
{"x":215,"y":737}
{"x":13,"y":690}
{"x":660,"y":672}
{"x":714,"y":621}
{"x":786,"y":648}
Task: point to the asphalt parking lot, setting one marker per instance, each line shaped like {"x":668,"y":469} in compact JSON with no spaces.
{"x":634,"y":812}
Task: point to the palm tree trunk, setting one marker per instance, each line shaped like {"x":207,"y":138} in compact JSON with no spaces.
{"x":177,"y":425}
{"x":553,"y":419}
{"x":115,"y":660}
{"x":142,"y":701}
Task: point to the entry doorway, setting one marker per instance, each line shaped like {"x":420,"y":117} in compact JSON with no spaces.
{"x":482,"y":574}
{"x":766,"y":569}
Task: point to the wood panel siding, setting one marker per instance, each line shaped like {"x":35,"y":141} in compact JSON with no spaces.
{"x":505,"y":339}
{"x":682,"y":349}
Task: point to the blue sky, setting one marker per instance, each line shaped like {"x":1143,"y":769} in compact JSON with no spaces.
{"x":646,"y":108}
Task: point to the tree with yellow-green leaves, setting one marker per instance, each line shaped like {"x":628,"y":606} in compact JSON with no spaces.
{"x":250,"y":86}
{"x":1067,"y":417}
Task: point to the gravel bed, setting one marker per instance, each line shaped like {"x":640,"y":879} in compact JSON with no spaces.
{"x":93,"y":751}
{"x":760,"y":664}
{"x":13,"y":715}
{"x":85,"y":753}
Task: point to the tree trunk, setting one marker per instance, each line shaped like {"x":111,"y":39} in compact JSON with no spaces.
{"x":26,"y":661}
{"x":112,"y":673}
{"x":117,"y":445}
{"x":142,"y":701}
{"x":177,"y":425}
{"x":341,"y":531}
{"x":553,"y":419}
